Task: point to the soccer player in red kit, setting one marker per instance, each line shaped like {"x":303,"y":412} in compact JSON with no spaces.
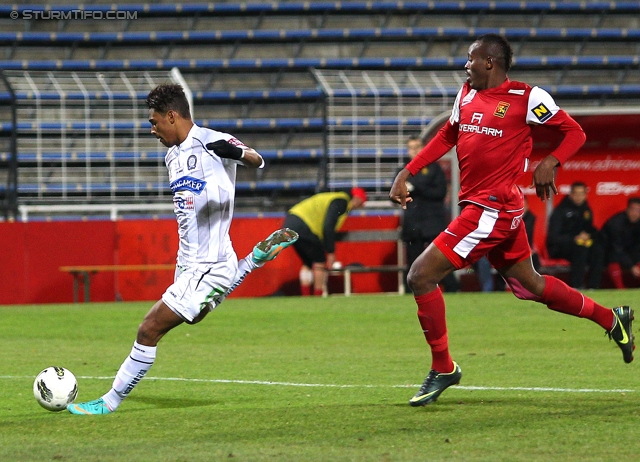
{"x":490,"y":126}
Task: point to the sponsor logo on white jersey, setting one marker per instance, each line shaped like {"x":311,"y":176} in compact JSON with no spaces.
{"x":188,"y":183}
{"x":185,"y":202}
{"x":235,"y":142}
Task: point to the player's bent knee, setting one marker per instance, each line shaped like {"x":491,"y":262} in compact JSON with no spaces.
{"x":519,"y":291}
{"x":147,"y":335}
{"x":420,"y":281}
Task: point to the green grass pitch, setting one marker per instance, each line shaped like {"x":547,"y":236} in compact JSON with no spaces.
{"x":305,"y":379}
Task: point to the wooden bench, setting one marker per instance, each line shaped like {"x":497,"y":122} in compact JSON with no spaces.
{"x":371,"y":235}
{"x":82,"y":274}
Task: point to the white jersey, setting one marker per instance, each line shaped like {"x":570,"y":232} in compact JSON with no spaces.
{"x":203,"y":187}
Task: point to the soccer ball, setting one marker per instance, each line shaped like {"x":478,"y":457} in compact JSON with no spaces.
{"x":54,"y":388}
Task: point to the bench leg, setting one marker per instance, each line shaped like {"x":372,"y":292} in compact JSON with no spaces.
{"x":347,"y":282}
{"x":76,"y":287}
{"x":87,"y":285}
{"x":400,"y":282}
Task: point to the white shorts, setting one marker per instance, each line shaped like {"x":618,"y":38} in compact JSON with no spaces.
{"x":199,"y":287}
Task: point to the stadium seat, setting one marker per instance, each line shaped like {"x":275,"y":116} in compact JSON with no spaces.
{"x":254,"y":70}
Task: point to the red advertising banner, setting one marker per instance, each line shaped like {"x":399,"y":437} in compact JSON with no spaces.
{"x":611,"y":178}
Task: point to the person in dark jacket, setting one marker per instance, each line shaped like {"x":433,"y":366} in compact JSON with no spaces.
{"x":572,"y":236}
{"x":621,"y":236}
{"x":425,"y":217}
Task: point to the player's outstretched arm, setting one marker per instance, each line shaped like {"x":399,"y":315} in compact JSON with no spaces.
{"x":252,"y":158}
{"x":248,"y":156}
{"x":399,"y":192}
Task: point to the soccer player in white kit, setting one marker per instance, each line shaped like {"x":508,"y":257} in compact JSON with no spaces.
{"x":202,"y":173}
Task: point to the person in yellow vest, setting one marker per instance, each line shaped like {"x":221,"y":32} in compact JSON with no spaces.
{"x":317,"y":220}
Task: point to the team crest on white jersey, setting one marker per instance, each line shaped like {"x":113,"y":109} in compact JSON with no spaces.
{"x":192,"y":162}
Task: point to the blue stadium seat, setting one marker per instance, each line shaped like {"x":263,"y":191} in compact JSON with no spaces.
{"x":250,"y":8}
{"x":314,"y":94}
{"x":524,"y":62}
{"x":310,"y":35}
{"x":292,"y":133}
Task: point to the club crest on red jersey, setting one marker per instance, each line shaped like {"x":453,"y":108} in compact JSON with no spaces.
{"x":501,"y":109}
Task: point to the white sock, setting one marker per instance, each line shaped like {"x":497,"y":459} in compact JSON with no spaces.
{"x":250,"y":264}
{"x":245,"y":266}
{"x":132,"y":370}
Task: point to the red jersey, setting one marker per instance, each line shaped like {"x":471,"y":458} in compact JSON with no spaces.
{"x":491,"y":130}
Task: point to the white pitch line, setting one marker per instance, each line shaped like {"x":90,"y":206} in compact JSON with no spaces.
{"x":331,"y":385}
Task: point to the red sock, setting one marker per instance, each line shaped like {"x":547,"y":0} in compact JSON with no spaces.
{"x":317,"y":292}
{"x":305,"y":290}
{"x":431,"y":314}
{"x":560,"y":297}
{"x":615,"y":272}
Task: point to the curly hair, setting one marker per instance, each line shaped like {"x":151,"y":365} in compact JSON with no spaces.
{"x":169,"y":97}
{"x":499,"y":48}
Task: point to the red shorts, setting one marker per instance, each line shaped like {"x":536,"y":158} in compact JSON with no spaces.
{"x":477,"y":232}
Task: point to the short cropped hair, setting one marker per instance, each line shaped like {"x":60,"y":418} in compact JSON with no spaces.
{"x":169,"y":97}
{"x":578,"y":184}
{"x":633,"y":200}
{"x":499,"y":49}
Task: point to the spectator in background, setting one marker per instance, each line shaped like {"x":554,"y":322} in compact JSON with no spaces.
{"x":572,"y":236}
{"x":425,"y":217}
{"x":317,"y":219}
{"x":621,"y":236}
